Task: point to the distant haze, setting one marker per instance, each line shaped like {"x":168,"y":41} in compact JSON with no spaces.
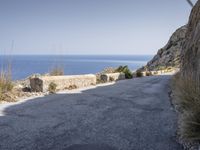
{"x":89,"y":26}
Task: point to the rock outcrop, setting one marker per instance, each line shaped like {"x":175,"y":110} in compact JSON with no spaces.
{"x":168,"y":56}
{"x":190,"y":62}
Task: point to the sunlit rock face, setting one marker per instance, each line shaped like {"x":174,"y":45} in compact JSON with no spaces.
{"x":190,"y":61}
{"x":169,"y":55}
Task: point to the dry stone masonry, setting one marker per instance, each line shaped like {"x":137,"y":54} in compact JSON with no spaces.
{"x":112,"y":77}
{"x":41,"y":84}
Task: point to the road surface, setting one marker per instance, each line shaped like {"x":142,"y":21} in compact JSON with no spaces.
{"x":129,"y":115}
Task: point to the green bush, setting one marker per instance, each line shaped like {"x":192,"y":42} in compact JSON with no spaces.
{"x":126,"y":71}
{"x":139,"y":74}
{"x":111,"y":79}
{"x":52,"y":87}
{"x":148,"y":74}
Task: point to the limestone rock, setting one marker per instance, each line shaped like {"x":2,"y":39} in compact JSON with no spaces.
{"x":190,"y":61}
{"x":169,"y":55}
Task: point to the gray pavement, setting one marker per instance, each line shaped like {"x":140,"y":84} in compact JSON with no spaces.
{"x":129,"y":115}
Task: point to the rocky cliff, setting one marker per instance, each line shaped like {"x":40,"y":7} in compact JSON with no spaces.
{"x":190,"y":61}
{"x":169,"y":55}
{"x":187,"y":86}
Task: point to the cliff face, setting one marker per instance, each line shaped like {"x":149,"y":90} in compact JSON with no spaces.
{"x":169,"y":56}
{"x":190,"y":62}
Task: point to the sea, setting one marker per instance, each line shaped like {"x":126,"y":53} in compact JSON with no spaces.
{"x":26,"y":65}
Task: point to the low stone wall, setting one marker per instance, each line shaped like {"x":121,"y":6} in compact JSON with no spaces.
{"x":112,"y":77}
{"x":41,"y":84}
{"x":159,"y":72}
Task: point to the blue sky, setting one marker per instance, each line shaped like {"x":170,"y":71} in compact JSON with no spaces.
{"x":89,"y":26}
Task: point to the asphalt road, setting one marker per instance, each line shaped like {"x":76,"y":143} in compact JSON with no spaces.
{"x":129,"y":115}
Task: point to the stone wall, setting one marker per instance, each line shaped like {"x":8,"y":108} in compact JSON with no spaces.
{"x":112,"y":77}
{"x":41,"y":84}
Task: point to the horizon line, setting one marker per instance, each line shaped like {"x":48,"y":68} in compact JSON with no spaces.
{"x":80,"y":54}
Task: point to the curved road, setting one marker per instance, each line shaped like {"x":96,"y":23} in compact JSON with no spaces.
{"x":129,"y":115}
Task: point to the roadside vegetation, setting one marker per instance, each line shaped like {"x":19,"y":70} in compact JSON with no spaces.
{"x":139,"y":74}
{"x":71,"y":87}
{"x":6,"y":84}
{"x":57,"y":71}
{"x":52,"y":88}
{"x":126,"y":71}
{"x":148,"y":74}
{"x":187,"y":100}
{"x":123,"y":69}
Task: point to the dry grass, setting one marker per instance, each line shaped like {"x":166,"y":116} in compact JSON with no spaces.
{"x":57,"y":71}
{"x":71,"y":87}
{"x":148,"y":74}
{"x":111,"y":79}
{"x":6,"y":84}
{"x":52,"y":87}
{"x":187,"y":98}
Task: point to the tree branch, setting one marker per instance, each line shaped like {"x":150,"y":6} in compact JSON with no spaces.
{"x":190,"y":3}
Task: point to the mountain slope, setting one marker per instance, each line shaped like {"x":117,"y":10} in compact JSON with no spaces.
{"x":169,"y":55}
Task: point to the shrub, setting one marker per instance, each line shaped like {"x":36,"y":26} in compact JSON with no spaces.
{"x":99,"y":81}
{"x":120,"y":69}
{"x":187,"y":98}
{"x":52,"y":87}
{"x":126,"y":71}
{"x":57,"y":71}
{"x":111,"y":79}
{"x":139,"y":74}
{"x":190,"y":126}
{"x":148,"y":74}
{"x":6,"y":84}
{"x":71,"y":87}
{"x":160,"y":67}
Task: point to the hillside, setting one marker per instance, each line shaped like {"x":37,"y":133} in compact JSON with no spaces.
{"x":169,"y":55}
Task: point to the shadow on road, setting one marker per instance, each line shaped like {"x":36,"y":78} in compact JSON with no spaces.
{"x":131,"y":114}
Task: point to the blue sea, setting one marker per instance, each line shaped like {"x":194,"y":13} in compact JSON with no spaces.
{"x":26,"y":65}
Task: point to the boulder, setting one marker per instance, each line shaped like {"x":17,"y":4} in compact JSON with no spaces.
{"x":112,"y":77}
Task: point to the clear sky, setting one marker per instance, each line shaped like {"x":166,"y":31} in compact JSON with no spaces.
{"x":89,"y":26}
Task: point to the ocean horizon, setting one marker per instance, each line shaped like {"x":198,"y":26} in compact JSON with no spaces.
{"x":26,"y":65}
